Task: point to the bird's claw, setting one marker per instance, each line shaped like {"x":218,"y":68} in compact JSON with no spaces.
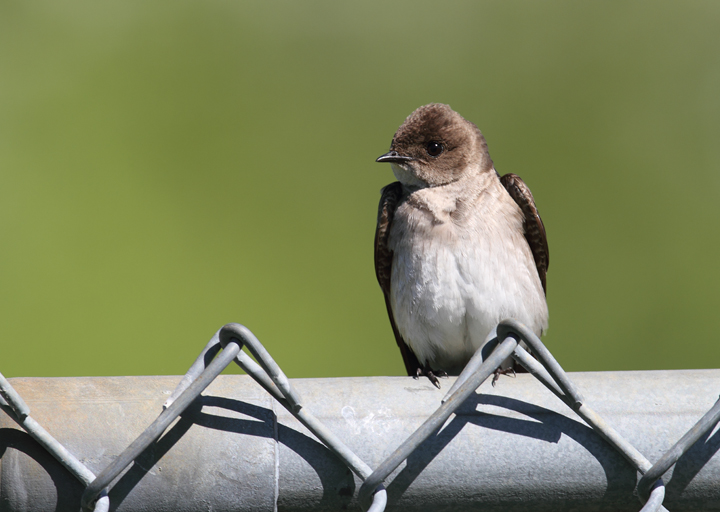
{"x":432,"y":375}
{"x":507,"y":371}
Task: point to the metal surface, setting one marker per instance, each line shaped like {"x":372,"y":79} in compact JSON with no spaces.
{"x":512,"y":447}
{"x":269,"y":375}
{"x":508,"y":338}
{"x":204,"y":370}
{"x":437,"y":419}
{"x":156,"y":429}
{"x":547,"y":370}
{"x":701,"y":429}
{"x":17,"y":410}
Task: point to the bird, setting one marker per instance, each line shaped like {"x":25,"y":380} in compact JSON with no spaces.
{"x":458,"y":248}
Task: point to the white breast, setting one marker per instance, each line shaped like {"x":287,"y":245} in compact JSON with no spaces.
{"x":453,"y":279}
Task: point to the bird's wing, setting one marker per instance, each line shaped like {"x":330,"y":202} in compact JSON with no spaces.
{"x":383,"y":265}
{"x":534,"y":227}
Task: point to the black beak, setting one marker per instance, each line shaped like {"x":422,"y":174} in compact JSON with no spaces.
{"x":393,"y":156}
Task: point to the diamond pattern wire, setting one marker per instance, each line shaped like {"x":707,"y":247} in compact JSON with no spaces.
{"x":226,"y":347}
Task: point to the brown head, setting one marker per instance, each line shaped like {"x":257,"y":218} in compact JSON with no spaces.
{"x":435,"y":145}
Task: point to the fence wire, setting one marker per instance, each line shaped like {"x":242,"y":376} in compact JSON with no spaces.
{"x":226,"y":346}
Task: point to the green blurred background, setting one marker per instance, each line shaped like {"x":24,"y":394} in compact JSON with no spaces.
{"x":168,"y":167}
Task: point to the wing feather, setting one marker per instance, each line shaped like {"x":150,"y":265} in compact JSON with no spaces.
{"x":389,"y":200}
{"x":534,"y":227}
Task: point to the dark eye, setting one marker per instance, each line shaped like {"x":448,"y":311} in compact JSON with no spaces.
{"x":434,"y":148}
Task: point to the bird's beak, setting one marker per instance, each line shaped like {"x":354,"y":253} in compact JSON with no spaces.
{"x":393,"y":157}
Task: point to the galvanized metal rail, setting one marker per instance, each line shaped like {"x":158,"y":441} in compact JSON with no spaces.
{"x":226,"y":346}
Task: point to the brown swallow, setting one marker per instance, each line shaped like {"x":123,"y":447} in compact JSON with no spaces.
{"x":457,"y":247}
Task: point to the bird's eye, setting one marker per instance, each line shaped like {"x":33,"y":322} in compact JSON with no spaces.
{"x":434,"y":148}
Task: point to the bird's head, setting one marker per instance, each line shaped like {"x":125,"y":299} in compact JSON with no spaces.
{"x":435,"y":146}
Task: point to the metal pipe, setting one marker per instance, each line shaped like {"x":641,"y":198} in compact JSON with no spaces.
{"x":702,"y":428}
{"x":157,"y":428}
{"x":438,"y":419}
{"x":269,"y":376}
{"x":17,"y":410}
{"x":515,"y":447}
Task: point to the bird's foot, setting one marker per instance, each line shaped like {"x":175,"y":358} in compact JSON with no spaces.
{"x":432,"y":375}
{"x":507,"y":371}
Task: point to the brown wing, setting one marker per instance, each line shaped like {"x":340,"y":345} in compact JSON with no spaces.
{"x":383,"y":265}
{"x":534,"y":227}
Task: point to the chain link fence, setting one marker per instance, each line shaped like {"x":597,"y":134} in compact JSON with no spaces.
{"x":226,"y":347}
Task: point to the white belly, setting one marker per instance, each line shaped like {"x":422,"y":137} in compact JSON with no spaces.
{"x":451,"y":287}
